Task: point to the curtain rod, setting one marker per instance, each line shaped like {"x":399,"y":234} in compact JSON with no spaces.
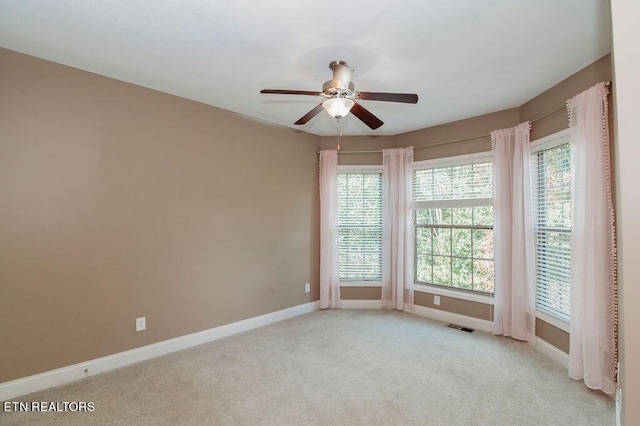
{"x":607,"y":83}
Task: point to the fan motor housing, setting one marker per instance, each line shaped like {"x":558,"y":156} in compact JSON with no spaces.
{"x":329,"y":91}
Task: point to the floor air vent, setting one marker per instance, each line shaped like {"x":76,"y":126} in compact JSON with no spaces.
{"x":461,"y":328}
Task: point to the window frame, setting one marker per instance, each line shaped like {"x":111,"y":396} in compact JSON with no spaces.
{"x":548,"y":142}
{"x":363,"y":282}
{"x":441,"y":289}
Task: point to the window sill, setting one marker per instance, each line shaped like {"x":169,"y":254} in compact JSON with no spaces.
{"x":550,"y":319}
{"x":456,"y":294}
{"x":357,"y":283}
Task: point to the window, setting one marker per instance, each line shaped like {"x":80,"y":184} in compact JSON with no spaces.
{"x":552,"y":210}
{"x":360,"y":225}
{"x":453,"y":219}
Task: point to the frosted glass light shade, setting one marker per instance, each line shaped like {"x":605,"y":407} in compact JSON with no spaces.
{"x":338,"y":107}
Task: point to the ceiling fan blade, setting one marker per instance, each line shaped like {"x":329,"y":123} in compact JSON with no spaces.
{"x":365,"y":116}
{"x":407,"y":98}
{"x":289,"y":92}
{"x":308,"y":116}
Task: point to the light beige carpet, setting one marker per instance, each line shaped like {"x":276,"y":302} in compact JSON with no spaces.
{"x":340,"y":367}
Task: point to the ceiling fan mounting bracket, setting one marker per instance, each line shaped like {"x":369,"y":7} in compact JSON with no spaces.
{"x":332,"y":64}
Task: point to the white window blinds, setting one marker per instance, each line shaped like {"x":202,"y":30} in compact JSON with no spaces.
{"x":360,"y":225}
{"x":473,"y":180}
{"x":552,"y":208}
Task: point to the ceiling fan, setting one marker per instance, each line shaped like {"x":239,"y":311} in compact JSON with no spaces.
{"x":341,"y":97}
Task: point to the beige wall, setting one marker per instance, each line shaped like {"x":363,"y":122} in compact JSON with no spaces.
{"x":437,"y":141}
{"x":551,"y":334}
{"x":626,"y":87}
{"x":352,"y":146}
{"x":120,"y":202}
{"x":457,"y":306}
{"x":360,"y":293}
{"x":556,"y":97}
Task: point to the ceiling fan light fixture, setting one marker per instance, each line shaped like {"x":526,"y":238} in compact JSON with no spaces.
{"x":338,"y":107}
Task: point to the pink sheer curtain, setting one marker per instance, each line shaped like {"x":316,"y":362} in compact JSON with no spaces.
{"x":514,"y":305}
{"x":592,"y":345}
{"x":397,"y":250}
{"x":329,"y":273}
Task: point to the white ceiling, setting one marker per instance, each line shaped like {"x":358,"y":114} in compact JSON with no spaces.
{"x":462,"y":57}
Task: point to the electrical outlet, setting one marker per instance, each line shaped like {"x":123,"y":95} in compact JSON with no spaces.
{"x":307,"y":287}
{"x":436,"y":299}
{"x":141,"y":323}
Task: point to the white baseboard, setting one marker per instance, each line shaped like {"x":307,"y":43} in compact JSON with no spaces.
{"x":361,"y":304}
{"x":435,"y":314}
{"x":450,"y":317}
{"x":81,"y":370}
{"x":619,"y":404}
{"x":553,"y":353}
{"x":60,"y":376}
